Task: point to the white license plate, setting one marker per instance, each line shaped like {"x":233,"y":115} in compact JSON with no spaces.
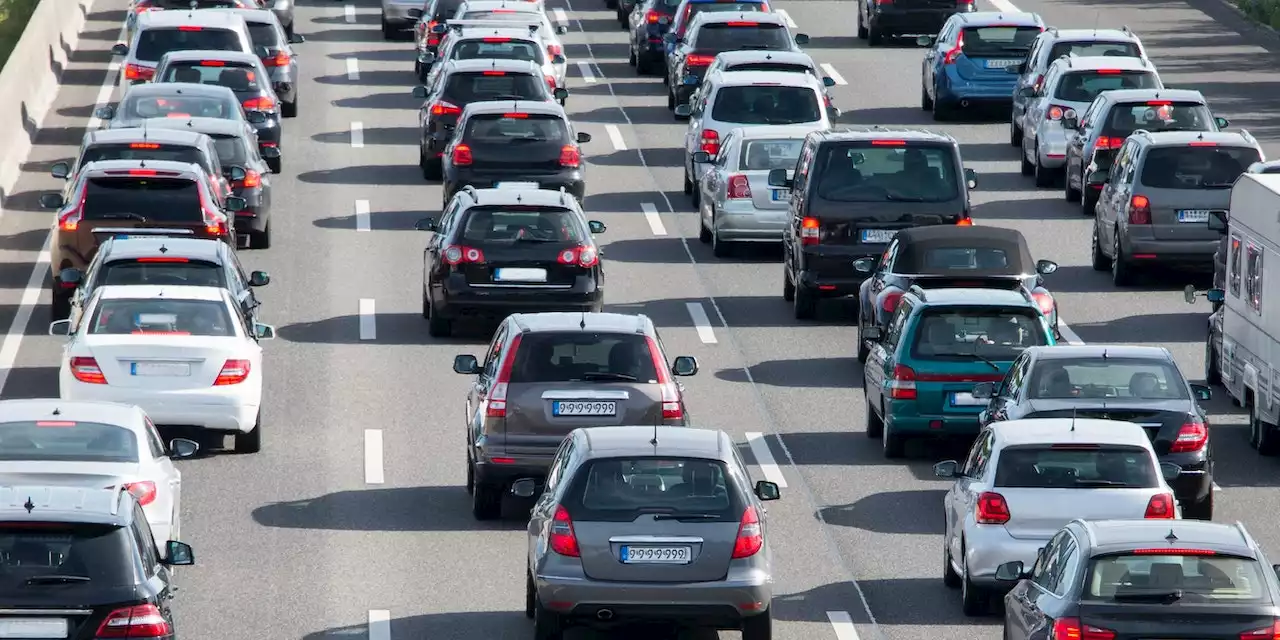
{"x":520,"y":275}
{"x":781,"y":194}
{"x":1193,"y":215}
{"x":34,"y":628}
{"x":160,"y":369}
{"x":966,"y":399}
{"x":584,"y":408}
{"x":656,"y":555}
{"x":517,"y":185}
{"x":878,"y":236}
{"x":1000,"y":64}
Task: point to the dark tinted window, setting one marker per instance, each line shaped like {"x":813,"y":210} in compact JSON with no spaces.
{"x":144,"y":151}
{"x":766,"y":104}
{"x":1132,"y":378}
{"x":694,"y":8}
{"x":105,"y":554}
{"x":193,"y":273}
{"x":498,"y":48}
{"x":444,"y":9}
{"x":582,"y":355}
{"x":764,"y":155}
{"x":915,"y":173}
{"x":231,"y":150}
{"x":1197,"y":578}
{"x":159,"y":316}
{"x":1208,"y":167}
{"x":465,"y":88}
{"x":505,"y":16}
{"x":771,"y":66}
{"x":180,"y":106}
{"x":1095,"y":48}
{"x":959,"y":259}
{"x":1010,"y":42}
{"x":1156,"y":115}
{"x":498,"y":129}
{"x":964,"y":333}
{"x":730,"y":36}
{"x":154,"y":43}
{"x":232,"y":75}
{"x":264,"y":34}
{"x":1084,"y":86}
{"x":620,"y":489}
{"x":156,"y":199}
{"x":67,"y":441}
{"x":1075,"y":466}
{"x":486,"y":225}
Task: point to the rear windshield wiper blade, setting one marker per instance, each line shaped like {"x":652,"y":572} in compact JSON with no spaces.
{"x":901,"y":198}
{"x":755,"y":47}
{"x":1165,"y":597}
{"x":1100,"y":483}
{"x":55,"y":579}
{"x":605,"y":375}
{"x":120,"y":216}
{"x":686,"y":516}
{"x":536,"y":240}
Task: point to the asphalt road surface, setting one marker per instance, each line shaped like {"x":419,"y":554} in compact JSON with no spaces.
{"x":354,"y":519}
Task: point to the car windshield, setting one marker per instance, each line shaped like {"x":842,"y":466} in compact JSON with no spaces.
{"x":497,"y":48}
{"x":231,"y":150}
{"x":907,"y":173}
{"x":771,"y":104}
{"x":155,"y":199}
{"x":163,"y":271}
{"x":1161,"y":573}
{"x":264,"y":34}
{"x":499,"y":129}
{"x":973,"y":333}
{"x":997,"y":42}
{"x":102,"y":553}
{"x":1076,"y":466}
{"x":1158,"y":115}
{"x":1196,"y":167}
{"x":961,"y":259}
{"x":513,"y":225}
{"x":620,"y":489}
{"x":583,"y":356}
{"x":465,"y":88}
{"x":1096,"y":48}
{"x":1109,"y":377}
{"x":766,"y":155}
{"x":235,"y":76}
{"x":154,"y":43}
{"x":67,"y":441}
{"x":1084,"y":86}
{"x":184,"y":106}
{"x":144,"y":151}
{"x":731,"y":36}
{"x":155,"y":316}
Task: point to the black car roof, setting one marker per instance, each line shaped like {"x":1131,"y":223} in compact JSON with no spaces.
{"x":917,"y":242}
{"x":191,"y":248}
{"x":1119,"y":536}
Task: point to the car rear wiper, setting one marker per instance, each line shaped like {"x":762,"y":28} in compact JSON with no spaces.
{"x":1100,"y":483}
{"x":755,"y":47}
{"x":900,"y":198}
{"x":536,"y":240}
{"x":686,"y":516}
{"x":606,"y":375}
{"x":529,"y":139}
{"x":120,"y":216}
{"x":1164,"y":597}
{"x":1216,"y":185}
{"x":55,"y":579}
{"x":981,"y":357}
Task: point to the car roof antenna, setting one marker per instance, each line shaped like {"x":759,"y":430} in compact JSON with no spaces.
{"x":582,"y":324}
{"x":1073,"y":419}
{"x":654,"y":441}
{"x":1171,"y":538}
{"x":29,"y":505}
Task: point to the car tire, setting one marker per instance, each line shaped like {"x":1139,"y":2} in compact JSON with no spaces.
{"x":547,"y":624}
{"x":758,"y":627}
{"x":704,"y":234}
{"x":530,"y":596}
{"x":804,"y":304}
{"x":276,"y":165}
{"x":1042,"y":176}
{"x":288,"y":29}
{"x":973,"y":601}
{"x":719,"y":248}
{"x":250,"y":442}
{"x":941,"y":110}
{"x":1088,"y":200}
{"x":438,"y":327}
{"x":1027,"y":168}
{"x":388,"y":32}
{"x":1212,"y":375}
{"x":950,"y":578}
{"x":1100,"y":260}
{"x":289,"y":109}
{"x":671,"y":100}
{"x":926,"y":103}
{"x":631,"y":56}
{"x":60,"y":305}
{"x":432,"y":169}
{"x":892,"y":445}
{"x":1070,"y":193}
{"x":875,"y":424}
{"x":862,"y":28}
{"x":1265,"y":440}
{"x":486,"y":502}
{"x":1199,"y":510}
{"x":261,"y":239}
{"x":863,"y":350}
{"x":875,"y":35}
{"x":1121,"y":270}
{"x":688,"y":184}
{"x":471,"y":476}
{"x":642,"y":66}
{"x":788,"y":287}
{"x":1015,"y":135}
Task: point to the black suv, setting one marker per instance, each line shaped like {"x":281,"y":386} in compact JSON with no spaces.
{"x":851,"y":191}
{"x":82,"y":564}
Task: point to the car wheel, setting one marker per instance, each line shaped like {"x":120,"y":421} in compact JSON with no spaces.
{"x":547,"y":624}
{"x":60,"y":305}
{"x":1100,"y":260}
{"x":1088,"y":199}
{"x":875,"y":35}
{"x":1015,"y":135}
{"x":1212,"y":376}
{"x":862,"y":28}
{"x":486,"y":502}
{"x":972,"y":599}
{"x":631,"y":56}
{"x":1266,"y":439}
{"x":949,"y":576}
{"x":719,"y":248}
{"x":438,"y":327}
{"x":261,"y":239}
{"x":432,"y":168}
{"x":1027,"y":168}
{"x":1121,"y":271}
{"x":1043,"y":177}
{"x":941,"y":110}
{"x":642,"y":66}
{"x":863,"y":349}
{"x":671,"y":100}
{"x":696,"y":196}
{"x":1071,"y":194}
{"x":926,"y":103}
{"x":276,"y":165}
{"x":289,"y":109}
{"x":788,"y":287}
{"x":758,"y":627}
{"x":892,"y":445}
{"x":688,"y":184}
{"x":471,"y":476}
{"x":250,"y":442}
{"x":1201,"y":510}
{"x":805,"y":303}
{"x":530,"y":596}
{"x":388,"y":32}
{"x":426,"y":305}
{"x":875,"y":424}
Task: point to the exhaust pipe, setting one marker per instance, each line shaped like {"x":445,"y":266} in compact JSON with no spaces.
{"x":964,"y":104}
{"x":605,"y":614}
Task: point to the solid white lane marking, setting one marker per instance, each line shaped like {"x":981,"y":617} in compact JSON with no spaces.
{"x":357,"y":135}
{"x":764,"y":459}
{"x":560,"y":16}
{"x":1067,"y":333}
{"x":373,"y":470}
{"x":362,"y":215}
{"x":615,"y":136}
{"x":701,"y":322}
{"x":1005,"y":6}
{"x":353,"y":69}
{"x":585,"y":69}
{"x":843,"y":624}
{"x":368,"y":320}
{"x":832,"y":73}
{"x":379,"y":624}
{"x":786,"y":17}
{"x":654,"y":220}
{"x":350,"y":10}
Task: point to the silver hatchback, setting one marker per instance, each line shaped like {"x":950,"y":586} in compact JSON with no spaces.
{"x":648,"y":524}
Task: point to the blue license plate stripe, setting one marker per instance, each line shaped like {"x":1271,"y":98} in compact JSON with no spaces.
{"x":625,"y":553}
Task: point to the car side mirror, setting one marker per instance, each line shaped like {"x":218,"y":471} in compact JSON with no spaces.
{"x":524,"y":488}
{"x":235,"y":173}
{"x":1215,"y":295}
{"x":235,"y":204}
{"x":120,"y":49}
{"x":1046,"y":267}
{"x":1170,"y":471}
{"x":596,"y":226}
{"x":439,"y":29}
{"x":269,"y":153}
{"x":828,"y":81}
{"x":926,"y":41}
{"x":701,"y":157}
{"x":178,"y":554}
{"x":1027,"y":92}
{"x":562,"y":29}
{"x":415,"y":13}
{"x":60,"y":170}
{"x":264,"y":331}
{"x":466,"y":365}
{"x":427,"y":57}
{"x":983,"y":391}
{"x":558,"y":59}
{"x":946,"y":469}
{"x":60,"y":328}
{"x":425,"y":224}
{"x":259,"y":279}
{"x":51,"y":200}
{"x":1203,"y":392}
{"x":1071,"y":122}
{"x":105,"y":113}
{"x":802,"y":39}
{"x":563,"y":94}
{"x":685,"y":366}
{"x":873,"y":334}
{"x":1099,"y":177}
{"x":778,"y":178}
{"x":255,"y":117}
{"x":683,"y":111}
{"x":582,"y":137}
{"x":183,"y":448}
{"x":864,"y":265}
{"x":767,"y":491}
{"x":70,"y":276}
{"x":1222,"y":123}
{"x":297,"y":38}
{"x":1218,"y":221}
{"x":971,"y":178}
{"x":1010,"y":571}
{"x":420,"y":92}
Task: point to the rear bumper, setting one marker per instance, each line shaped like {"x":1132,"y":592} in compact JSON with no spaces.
{"x":903,"y":417}
{"x":989,"y":546}
{"x":1197,"y":254}
{"x":751,"y":224}
{"x":215,"y":412}
{"x":501,"y":475}
{"x":953,"y":88}
{"x":457,"y":298}
{"x":720,"y":605}
{"x":1193,"y":484}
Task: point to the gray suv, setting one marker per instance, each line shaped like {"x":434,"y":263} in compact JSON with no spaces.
{"x":1157,"y":198}
{"x":649,"y":524}
{"x":546,"y":374}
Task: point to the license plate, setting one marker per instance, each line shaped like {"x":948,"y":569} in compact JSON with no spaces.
{"x":1000,"y":64}
{"x":656,"y":555}
{"x":160,"y":369}
{"x":878,"y":236}
{"x":122,"y":236}
{"x":1193,"y":215}
{"x":584,"y":408}
{"x":781,"y":194}
{"x":520,"y":275}
{"x":34,"y":628}
{"x":517,"y":185}
{"x":966,"y":399}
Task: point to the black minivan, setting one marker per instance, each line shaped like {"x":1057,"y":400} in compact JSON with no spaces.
{"x":852,"y":190}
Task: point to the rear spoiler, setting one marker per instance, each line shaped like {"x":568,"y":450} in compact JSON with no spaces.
{"x":124,"y":231}
{"x":1009,"y":283}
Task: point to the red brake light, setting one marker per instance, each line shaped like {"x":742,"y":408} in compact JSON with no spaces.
{"x":55,"y":423}
{"x":516,"y":116}
{"x":144,"y":492}
{"x":570,"y":156}
{"x":955,"y":51}
{"x":456,"y":254}
{"x":144,"y":145}
{"x":86,"y":370}
{"x":1271,"y":632}
{"x":698,"y":60}
{"x":495,"y":40}
{"x":251,"y":179}
{"x":142,"y":621}
{"x":582,"y":256}
{"x":280,"y":59}
{"x":1193,"y":436}
{"x":555,"y":50}
{"x":743,"y":24}
{"x":1070,"y":629}
{"x":561,"y":536}
{"x":992,"y":509}
{"x":462,"y":155}
{"x":1056,"y":112}
{"x":1109,"y":72}
{"x":190,"y":28}
{"x":443,"y":108}
{"x":551,"y":82}
{"x":750,"y":535}
{"x":1200,"y":143}
{"x":175,"y":114}
{"x":1159,"y":103}
{"x":902,"y":386}
{"x":495,"y":73}
{"x":1109,"y":142}
{"x":1161,"y":507}
{"x":809,"y":231}
{"x":233,"y":372}
{"x":163,"y":259}
{"x":888,"y":143}
{"x":262,"y":103}
{"x":1139,"y":210}
{"x":672,"y":407}
{"x":496,"y":403}
{"x":1045,"y":301}
{"x":890,"y":301}
{"x":652,"y":17}
{"x":142,"y":172}
{"x":964,"y":222}
{"x":138,"y":72}
{"x":710,"y":142}
{"x":738,"y":187}
{"x":212,"y":63}
{"x":1170,"y":551}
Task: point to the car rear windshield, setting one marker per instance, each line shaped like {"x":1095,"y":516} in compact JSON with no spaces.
{"x":1076,"y":466}
{"x":236,"y":76}
{"x":444,"y":9}
{"x":490,"y":225}
{"x":1158,"y":115}
{"x":103,"y":553}
{"x":154,"y":43}
{"x":694,"y":8}
{"x":153,"y":199}
{"x":505,"y":16}
{"x":888,"y":173}
{"x":67,"y":441}
{"x":527,"y":127}
{"x":1084,"y":86}
{"x":1108,"y":378}
{"x":998,"y":41}
{"x":1159,"y":576}
{"x":583,"y":356}
{"x":957,"y":260}
{"x":1196,"y":167}
{"x":154,"y":316}
{"x":144,"y":151}
{"x":766,"y":104}
{"x":231,"y":150}
{"x":172,"y":271}
{"x":973,"y":333}
{"x":1088,"y":48}
{"x":499,"y":48}
{"x":265,"y":34}
{"x":732,"y":36}
{"x":784,"y":67}
{"x":465,"y":88}
{"x":766,"y":155}
{"x":175,"y":106}
{"x":620,"y":489}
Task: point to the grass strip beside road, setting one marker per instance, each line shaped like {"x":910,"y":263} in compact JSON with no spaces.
{"x":1266,"y":12}
{"x":14,"y":15}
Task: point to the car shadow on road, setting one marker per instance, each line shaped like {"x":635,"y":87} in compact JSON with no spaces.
{"x":807,"y":373}
{"x":919,"y":602}
{"x":407,"y":136}
{"x":852,"y":447}
{"x":910,"y":512}
{"x":1146,"y":328}
{"x":495,"y":625}
{"x":391,"y":329}
{"x":378,"y":220}
{"x":391,"y":509}
{"x":400,"y":100}
{"x":369,"y":174}
{"x":31,"y":382}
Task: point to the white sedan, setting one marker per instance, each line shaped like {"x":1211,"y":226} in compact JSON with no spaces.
{"x":186,"y":355}
{"x":51,"y":442}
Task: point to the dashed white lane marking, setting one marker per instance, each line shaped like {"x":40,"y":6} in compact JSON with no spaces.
{"x":615,"y":136}
{"x":1216,"y":487}
{"x":701,"y":322}
{"x":353,"y":69}
{"x":362,"y":215}
{"x":560,"y":16}
{"x":587,"y":75}
{"x":357,"y":135}
{"x":764,"y":459}
{"x":1067,"y":333}
{"x":832,"y":73}
{"x":368,"y":320}
{"x":350,"y":10}
{"x":786,"y":17}
{"x":654,"y":220}
{"x":379,"y":624}
{"x":1005,"y":6}
{"x":373,"y":474}
{"x":843,"y":624}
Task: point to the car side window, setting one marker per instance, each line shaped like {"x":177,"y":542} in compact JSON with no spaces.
{"x":1253,"y":278}
{"x":1131,"y":167}
{"x":558,"y":464}
{"x":1012,"y":384}
{"x":897,"y":325}
{"x":1048,"y":569}
{"x":975,"y":453}
{"x":146,"y":540}
{"x":983,"y":459}
{"x":803,"y":165}
{"x":153,"y":439}
{"x":1121,"y":163}
{"x":449,"y":218}
{"x":1233,"y":280}
{"x":495,"y":349}
{"x":1070,"y":565}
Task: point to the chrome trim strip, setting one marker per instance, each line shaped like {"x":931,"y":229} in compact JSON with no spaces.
{"x":586,"y":394}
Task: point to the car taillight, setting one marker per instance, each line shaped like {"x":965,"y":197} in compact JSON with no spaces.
{"x":560,"y":536}
{"x":1139,"y":210}
{"x":738,"y":187}
{"x":955,"y":51}
{"x":1193,"y":436}
{"x":652,"y":17}
{"x":672,"y":407}
{"x":1045,"y":301}
{"x":551,"y":81}
{"x":809,"y":231}
{"x":262,"y":103}
{"x":86,"y":370}
{"x":462,"y":155}
{"x":902,"y":384}
{"x":496,"y":401}
{"x":1160,"y":507}
{"x":554,"y":50}
{"x":697,"y":60}
{"x":70,"y":221}
{"x":443,"y":108}
{"x":992,"y":509}
{"x":890,"y":301}
{"x":456,"y":254}
{"x":141,"y":621}
{"x":709,"y":142}
{"x":1070,"y":629}
{"x":1271,"y":632}
{"x":1108,"y":142}
{"x":1057,"y":112}
{"x":215,"y":223}
{"x":233,"y":372}
{"x":750,"y":536}
{"x":138,"y":72}
{"x":570,"y":156}
{"x":280,"y":59}
{"x":144,"y":492}
{"x":433,"y":39}
{"x":964,"y":221}
{"x":251,"y":179}
{"x":582,"y":256}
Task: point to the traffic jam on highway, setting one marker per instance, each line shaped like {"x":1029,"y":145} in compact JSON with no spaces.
{"x":1079,"y":504}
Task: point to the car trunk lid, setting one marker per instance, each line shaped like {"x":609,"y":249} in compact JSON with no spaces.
{"x":1186,"y":184}
{"x":517,"y":143}
{"x":988,"y":50}
{"x":602,"y":544}
{"x":162,"y":362}
{"x":1160,"y":422}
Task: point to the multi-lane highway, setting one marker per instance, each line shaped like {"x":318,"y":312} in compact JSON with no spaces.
{"x":354,"y":520}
